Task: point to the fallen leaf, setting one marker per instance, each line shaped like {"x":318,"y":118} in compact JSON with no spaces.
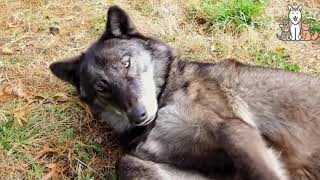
{"x":60,"y":97}
{"x":287,"y":56}
{"x":55,"y":170}
{"x":18,"y":90}
{"x":42,"y":95}
{"x":14,"y":91}
{"x":279,"y":49}
{"x":45,"y":150}
{"x":4,"y":95}
{"x":6,"y":51}
{"x":65,"y":105}
{"x":20,"y":113}
{"x":21,"y":119}
{"x":11,"y":25}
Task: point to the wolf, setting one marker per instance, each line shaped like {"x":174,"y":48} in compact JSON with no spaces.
{"x":180,"y":119}
{"x":295,"y":22}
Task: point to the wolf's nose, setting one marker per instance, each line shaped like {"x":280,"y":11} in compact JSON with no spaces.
{"x":137,"y":114}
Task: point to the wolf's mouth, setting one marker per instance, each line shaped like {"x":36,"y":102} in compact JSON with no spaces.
{"x":295,"y":18}
{"x":146,"y":122}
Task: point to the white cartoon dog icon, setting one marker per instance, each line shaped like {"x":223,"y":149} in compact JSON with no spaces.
{"x":295,"y":22}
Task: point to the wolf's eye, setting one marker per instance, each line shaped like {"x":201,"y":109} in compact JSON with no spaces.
{"x":126,"y":61}
{"x":127,"y":64}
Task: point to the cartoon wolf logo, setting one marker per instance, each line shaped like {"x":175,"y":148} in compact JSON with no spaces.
{"x":295,"y":16}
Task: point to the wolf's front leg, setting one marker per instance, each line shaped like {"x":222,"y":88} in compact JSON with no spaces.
{"x":133,"y":168}
{"x":252,"y":158}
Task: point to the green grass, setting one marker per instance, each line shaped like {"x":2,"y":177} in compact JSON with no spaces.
{"x":51,"y":115}
{"x":275,"y":59}
{"x":312,"y":18}
{"x":54,"y":116}
{"x":314,"y":25}
{"x":144,"y":7}
{"x":37,"y":170}
{"x":231,"y":15}
{"x":98,"y":25}
{"x":18,"y":139}
{"x":168,"y":38}
{"x":48,"y":122}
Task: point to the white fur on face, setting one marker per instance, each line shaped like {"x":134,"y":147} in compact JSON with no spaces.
{"x":147,"y":85}
{"x":149,"y":95}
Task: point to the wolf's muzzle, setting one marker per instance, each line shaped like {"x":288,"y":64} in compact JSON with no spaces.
{"x":137,"y":114}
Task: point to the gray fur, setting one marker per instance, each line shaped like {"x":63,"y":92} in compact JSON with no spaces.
{"x":214,"y":121}
{"x":131,"y":167}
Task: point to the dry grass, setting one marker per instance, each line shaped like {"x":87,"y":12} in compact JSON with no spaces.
{"x":40,"y":109}
{"x":36,"y":109}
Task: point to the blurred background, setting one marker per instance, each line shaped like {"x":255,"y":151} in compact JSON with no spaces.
{"x":46,"y":132}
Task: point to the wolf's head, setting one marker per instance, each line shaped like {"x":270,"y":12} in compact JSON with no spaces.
{"x":122,"y":69}
{"x":295,"y":14}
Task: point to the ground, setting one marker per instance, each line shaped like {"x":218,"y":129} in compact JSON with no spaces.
{"x":46,"y":132}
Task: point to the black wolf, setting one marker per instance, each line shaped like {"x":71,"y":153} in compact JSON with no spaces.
{"x":193,"y":120}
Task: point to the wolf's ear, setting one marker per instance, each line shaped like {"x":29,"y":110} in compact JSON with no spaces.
{"x":118,"y":23}
{"x":290,"y":7}
{"x":300,"y":7}
{"x":67,"y":70}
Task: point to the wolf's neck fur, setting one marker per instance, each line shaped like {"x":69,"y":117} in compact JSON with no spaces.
{"x":173,"y":73}
{"x":162,"y":67}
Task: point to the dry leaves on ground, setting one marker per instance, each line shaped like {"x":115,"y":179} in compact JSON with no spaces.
{"x":55,"y":170}
{"x":45,"y":150}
